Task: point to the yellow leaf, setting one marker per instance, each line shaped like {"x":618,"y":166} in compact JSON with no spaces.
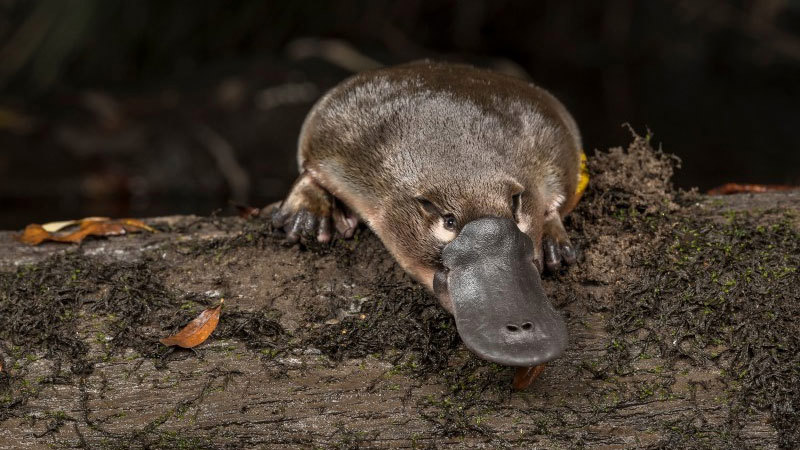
{"x":583,"y":177}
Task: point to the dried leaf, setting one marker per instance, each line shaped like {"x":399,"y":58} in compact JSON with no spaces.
{"x":524,"y":376}
{"x":247,"y":212}
{"x":196,"y":331}
{"x":52,"y":227}
{"x":35,"y":234}
{"x":737,"y":188}
{"x":135,"y":224}
{"x":92,"y":229}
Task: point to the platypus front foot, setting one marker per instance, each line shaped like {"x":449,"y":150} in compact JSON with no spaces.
{"x":556,"y":245}
{"x":310,"y":212}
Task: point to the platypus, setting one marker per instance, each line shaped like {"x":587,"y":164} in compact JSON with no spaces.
{"x":465,"y":175}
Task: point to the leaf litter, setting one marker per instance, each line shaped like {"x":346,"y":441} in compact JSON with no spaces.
{"x":77,"y":230}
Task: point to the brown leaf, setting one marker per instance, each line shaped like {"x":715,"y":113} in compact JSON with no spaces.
{"x":52,"y":227}
{"x":35,"y":234}
{"x":737,"y":188}
{"x":247,"y":212}
{"x":524,"y":376}
{"x":196,"y":331}
{"x":91,"y":229}
{"x":136,"y":224}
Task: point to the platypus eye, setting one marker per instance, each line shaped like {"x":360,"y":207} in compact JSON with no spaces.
{"x":449,"y":222}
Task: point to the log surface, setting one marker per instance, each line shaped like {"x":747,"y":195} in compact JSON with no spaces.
{"x":337,"y":347}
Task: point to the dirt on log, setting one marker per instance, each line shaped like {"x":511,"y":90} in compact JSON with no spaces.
{"x":683,"y":315}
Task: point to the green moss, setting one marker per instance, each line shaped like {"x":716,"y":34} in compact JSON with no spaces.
{"x":747,"y":305}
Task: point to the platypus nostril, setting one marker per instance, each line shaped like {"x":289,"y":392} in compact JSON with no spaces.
{"x":512,"y":328}
{"x":527,"y":326}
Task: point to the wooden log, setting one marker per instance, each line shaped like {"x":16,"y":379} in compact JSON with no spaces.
{"x":674,"y":342}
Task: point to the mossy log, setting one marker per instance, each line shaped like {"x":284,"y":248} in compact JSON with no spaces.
{"x":683,"y":313}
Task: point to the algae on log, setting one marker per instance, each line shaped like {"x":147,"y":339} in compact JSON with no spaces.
{"x":682,"y":313}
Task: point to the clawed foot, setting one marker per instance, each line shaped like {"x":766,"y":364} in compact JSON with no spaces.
{"x":556,"y":246}
{"x":311,"y":212}
{"x":301,"y":223}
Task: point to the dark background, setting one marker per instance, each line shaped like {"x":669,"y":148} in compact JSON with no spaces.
{"x":139,"y":108}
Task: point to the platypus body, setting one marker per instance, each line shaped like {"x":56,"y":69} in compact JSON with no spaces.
{"x":465,"y":176}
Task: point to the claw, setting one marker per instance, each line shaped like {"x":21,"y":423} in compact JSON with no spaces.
{"x":324,"y":232}
{"x":293,"y":229}
{"x":556,"y":247}
{"x":568,"y":253}
{"x":308,"y":223}
{"x":302,"y":225}
{"x":552,"y":255}
{"x":279,"y":217}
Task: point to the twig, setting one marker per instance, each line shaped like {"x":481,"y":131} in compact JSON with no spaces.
{"x":237,"y":178}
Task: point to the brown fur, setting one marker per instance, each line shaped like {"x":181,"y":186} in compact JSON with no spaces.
{"x":463,"y":138}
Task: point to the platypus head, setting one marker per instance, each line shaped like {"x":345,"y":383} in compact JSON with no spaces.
{"x":489,"y":282}
{"x":478,"y":248}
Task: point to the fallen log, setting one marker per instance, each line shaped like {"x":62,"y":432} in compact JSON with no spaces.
{"x":682,"y":312}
